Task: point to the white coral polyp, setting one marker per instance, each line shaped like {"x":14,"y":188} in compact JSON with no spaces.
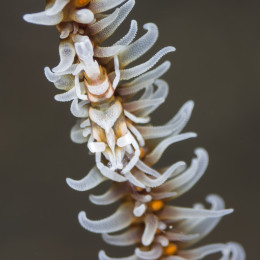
{"x":115,"y":124}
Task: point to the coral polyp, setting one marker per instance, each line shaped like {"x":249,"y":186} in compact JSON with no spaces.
{"x":112,"y":102}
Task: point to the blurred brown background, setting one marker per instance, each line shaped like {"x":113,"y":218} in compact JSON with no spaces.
{"x":216,"y":64}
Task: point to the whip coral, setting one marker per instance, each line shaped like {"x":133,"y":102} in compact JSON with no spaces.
{"x":114,"y":122}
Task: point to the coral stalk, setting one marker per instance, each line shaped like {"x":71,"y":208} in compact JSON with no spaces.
{"x":114,"y":122}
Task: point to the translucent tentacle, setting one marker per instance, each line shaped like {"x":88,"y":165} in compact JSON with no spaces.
{"x":139,"y":105}
{"x":203,"y":164}
{"x":57,"y":7}
{"x":43,"y":19}
{"x":178,"y":213}
{"x":181,"y":237}
{"x":153,"y":254}
{"x":102,"y":24}
{"x":102,"y":256}
{"x":156,"y":154}
{"x":121,"y":219}
{"x":134,"y":180}
{"x":99,"y":6}
{"x":115,"y":193}
{"x":129,"y":37}
{"x":124,"y":10}
{"x":159,"y":180}
{"x":76,"y":134}
{"x":67,"y":54}
{"x":201,"y":252}
{"x":139,"y":47}
{"x":206,"y":226}
{"x":173,"y":127}
{"x":162,"y":240}
{"x":67,"y":96}
{"x":158,"y":97}
{"x":128,"y":238}
{"x":144,"y":80}
{"x":136,"y":133}
{"x":102,"y":52}
{"x":79,"y":109}
{"x":151,"y":225}
{"x":237,"y":251}
{"x":163,"y":195}
{"x":139,"y":209}
{"x":110,"y":173}
{"x":138,"y":120}
{"x":91,"y":180}
{"x":142,"y":68}
{"x":145,"y":168}
{"x":183,"y":178}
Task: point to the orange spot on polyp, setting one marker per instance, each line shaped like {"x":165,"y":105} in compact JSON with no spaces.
{"x":81,"y":3}
{"x":171,"y":249}
{"x":158,"y":231}
{"x":142,"y":153}
{"x":156,"y":205}
{"x":138,"y":188}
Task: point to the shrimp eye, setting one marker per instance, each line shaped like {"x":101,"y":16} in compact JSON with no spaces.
{"x":81,"y":3}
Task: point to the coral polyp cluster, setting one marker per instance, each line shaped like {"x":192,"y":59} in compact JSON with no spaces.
{"x":112,"y":102}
